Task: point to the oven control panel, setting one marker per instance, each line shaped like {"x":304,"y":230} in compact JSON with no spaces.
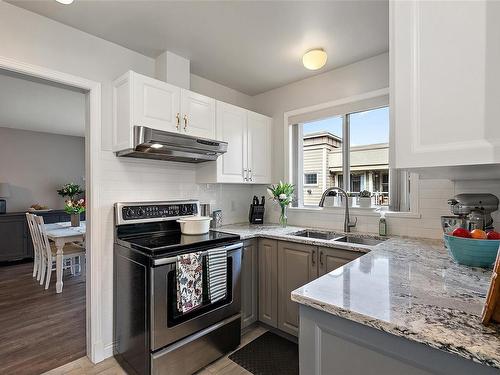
{"x":157,"y":211}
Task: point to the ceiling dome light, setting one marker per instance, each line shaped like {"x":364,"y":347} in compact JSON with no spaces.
{"x":314,"y":59}
{"x":65,"y":2}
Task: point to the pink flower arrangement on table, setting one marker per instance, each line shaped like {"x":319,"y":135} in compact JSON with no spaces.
{"x":74,"y":206}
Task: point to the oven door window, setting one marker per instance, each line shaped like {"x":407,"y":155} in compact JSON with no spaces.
{"x":174,"y":316}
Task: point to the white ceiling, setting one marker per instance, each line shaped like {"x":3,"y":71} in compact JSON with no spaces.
{"x":250,"y":46}
{"x":37,"y":105}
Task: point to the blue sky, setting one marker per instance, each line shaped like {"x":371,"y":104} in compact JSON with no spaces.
{"x":366,"y":127}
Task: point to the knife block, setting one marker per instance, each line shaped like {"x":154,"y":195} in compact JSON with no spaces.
{"x":256,"y":214}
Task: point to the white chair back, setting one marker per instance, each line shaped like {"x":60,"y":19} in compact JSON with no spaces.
{"x":44,"y":240}
{"x":35,"y":238}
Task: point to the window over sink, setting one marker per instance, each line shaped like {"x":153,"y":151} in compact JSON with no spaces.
{"x":346,"y":146}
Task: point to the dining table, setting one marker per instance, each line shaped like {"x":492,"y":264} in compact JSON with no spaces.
{"x":61,"y":234}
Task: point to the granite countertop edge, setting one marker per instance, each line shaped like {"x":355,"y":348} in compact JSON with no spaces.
{"x":395,"y":330}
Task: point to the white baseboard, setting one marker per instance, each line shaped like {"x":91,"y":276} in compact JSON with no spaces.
{"x":108,"y":350}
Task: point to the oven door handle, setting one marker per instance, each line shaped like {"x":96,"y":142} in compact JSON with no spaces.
{"x":163,"y":261}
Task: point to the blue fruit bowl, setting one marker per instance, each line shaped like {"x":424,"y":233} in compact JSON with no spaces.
{"x":472,"y":252}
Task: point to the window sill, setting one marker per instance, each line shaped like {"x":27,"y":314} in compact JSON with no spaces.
{"x":355,"y":211}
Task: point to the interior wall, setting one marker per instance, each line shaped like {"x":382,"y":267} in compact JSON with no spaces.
{"x":56,"y":46}
{"x":36,"y":164}
{"x":354,"y":79}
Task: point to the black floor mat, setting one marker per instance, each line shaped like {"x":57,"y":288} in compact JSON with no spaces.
{"x":269,"y":354}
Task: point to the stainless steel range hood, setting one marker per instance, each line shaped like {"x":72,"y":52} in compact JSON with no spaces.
{"x":156,"y":144}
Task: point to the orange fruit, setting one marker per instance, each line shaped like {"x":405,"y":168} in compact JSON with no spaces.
{"x":478,"y":234}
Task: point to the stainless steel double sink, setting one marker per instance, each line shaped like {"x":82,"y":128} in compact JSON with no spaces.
{"x":338,"y":237}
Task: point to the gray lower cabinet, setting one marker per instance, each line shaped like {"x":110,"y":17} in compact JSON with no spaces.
{"x":282,"y":268}
{"x":331,"y":259}
{"x":268,"y":282}
{"x":297,"y":265}
{"x":249,"y":283}
{"x":14,"y":238}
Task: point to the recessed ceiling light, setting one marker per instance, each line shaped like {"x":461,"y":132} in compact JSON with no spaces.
{"x":65,"y":2}
{"x":314,"y":59}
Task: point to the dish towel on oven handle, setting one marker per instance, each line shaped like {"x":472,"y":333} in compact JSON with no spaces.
{"x":217,"y":274}
{"x":189,"y":281}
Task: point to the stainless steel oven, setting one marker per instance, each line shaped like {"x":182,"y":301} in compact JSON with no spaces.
{"x":168,"y":323}
{"x":152,"y":335}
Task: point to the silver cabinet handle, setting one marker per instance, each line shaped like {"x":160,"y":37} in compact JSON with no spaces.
{"x":321,"y":257}
{"x":185,"y":122}
{"x":250,"y":174}
{"x":313,"y":258}
{"x":245,"y":174}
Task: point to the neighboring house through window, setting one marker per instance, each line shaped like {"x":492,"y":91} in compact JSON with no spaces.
{"x":355,"y":142}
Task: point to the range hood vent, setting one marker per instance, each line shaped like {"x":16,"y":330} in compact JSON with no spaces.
{"x":162,"y":145}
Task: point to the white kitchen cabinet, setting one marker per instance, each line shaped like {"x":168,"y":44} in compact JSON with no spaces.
{"x":445,"y":83}
{"x":231,"y":128}
{"x":248,"y":157}
{"x":198,"y":114}
{"x":259,"y":148}
{"x":145,"y":101}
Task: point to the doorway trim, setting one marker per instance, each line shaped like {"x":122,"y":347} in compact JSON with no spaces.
{"x":95,"y":349}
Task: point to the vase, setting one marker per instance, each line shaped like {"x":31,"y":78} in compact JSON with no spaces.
{"x":283,"y":217}
{"x":75,"y":220}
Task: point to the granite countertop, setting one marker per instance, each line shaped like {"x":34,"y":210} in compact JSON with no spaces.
{"x":276,"y":232}
{"x":406,"y":287}
{"x":412,"y":288}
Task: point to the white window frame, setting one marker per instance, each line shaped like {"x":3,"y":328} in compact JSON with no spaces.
{"x":288,"y":165}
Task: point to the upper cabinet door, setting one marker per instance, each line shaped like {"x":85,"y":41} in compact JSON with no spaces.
{"x":198,"y":114}
{"x":156,"y":104}
{"x":259,"y":148}
{"x":445,"y":83}
{"x":232,"y":128}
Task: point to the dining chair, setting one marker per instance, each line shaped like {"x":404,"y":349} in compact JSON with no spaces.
{"x":36,"y":247}
{"x":48,"y":254}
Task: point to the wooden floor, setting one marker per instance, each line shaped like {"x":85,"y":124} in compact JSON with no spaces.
{"x":39,"y":329}
{"x":223,"y":366}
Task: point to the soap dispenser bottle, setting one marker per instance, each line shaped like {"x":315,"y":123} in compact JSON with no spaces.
{"x":382,"y":225}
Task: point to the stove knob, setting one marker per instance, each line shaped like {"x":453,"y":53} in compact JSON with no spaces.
{"x":129,"y":213}
{"x":184,"y":209}
{"x":140,"y":212}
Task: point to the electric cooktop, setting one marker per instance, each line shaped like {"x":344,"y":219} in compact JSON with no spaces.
{"x":174,"y":242}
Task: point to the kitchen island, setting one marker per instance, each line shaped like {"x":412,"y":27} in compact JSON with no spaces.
{"x":403,"y":308}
